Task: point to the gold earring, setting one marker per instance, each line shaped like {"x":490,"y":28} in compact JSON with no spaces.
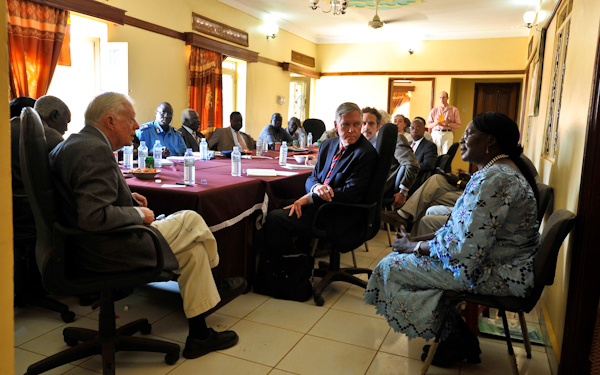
{"x":487,"y":150}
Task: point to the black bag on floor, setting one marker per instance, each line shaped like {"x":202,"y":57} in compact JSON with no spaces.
{"x":286,"y":277}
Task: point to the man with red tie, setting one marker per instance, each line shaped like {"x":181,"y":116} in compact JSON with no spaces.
{"x":343,"y":172}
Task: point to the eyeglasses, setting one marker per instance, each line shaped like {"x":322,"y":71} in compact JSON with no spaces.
{"x":415,"y":127}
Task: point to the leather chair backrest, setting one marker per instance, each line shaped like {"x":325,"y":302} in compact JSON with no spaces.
{"x":451,"y":153}
{"x":37,"y":178}
{"x":314,"y":126}
{"x":558,"y":226}
{"x":386,"y":145}
{"x":546,"y":195}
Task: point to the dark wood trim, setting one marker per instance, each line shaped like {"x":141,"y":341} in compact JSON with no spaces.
{"x":89,"y":8}
{"x":584,"y":294}
{"x":391,"y":85}
{"x":524,"y":104}
{"x":220,"y":30}
{"x":432,"y":73}
{"x":136,"y":22}
{"x":268,"y":61}
{"x":303,"y":59}
{"x":220,"y":47}
{"x":293,"y":68}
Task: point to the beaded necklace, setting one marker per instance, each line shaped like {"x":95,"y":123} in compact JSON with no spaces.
{"x":495,"y":159}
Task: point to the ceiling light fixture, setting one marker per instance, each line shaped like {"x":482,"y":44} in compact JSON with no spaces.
{"x":337,"y":6}
{"x":529,"y":17}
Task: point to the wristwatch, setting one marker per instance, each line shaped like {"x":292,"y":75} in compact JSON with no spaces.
{"x":417,"y":249}
{"x":458,"y":184}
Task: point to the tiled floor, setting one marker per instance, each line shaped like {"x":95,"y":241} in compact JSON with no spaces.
{"x":277,"y":337}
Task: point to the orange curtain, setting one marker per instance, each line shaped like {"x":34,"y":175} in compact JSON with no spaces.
{"x":399,"y":97}
{"x":205,"y":88}
{"x":35,"y":37}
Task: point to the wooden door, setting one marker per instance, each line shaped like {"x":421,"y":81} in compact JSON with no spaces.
{"x":497,"y":97}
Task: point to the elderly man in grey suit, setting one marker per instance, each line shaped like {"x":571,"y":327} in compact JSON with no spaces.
{"x":190,"y":122}
{"x":95,"y":197}
{"x":223,"y":139}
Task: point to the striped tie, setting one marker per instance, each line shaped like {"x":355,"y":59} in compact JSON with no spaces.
{"x":333,"y":162}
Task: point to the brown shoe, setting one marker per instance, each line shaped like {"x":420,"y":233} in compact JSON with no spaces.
{"x":395,"y":220}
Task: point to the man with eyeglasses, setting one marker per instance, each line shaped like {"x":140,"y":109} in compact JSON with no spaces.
{"x":160,"y":129}
{"x":442,"y":122}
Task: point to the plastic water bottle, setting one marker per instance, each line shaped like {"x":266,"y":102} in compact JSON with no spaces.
{"x":189,"y":167}
{"x":203,"y":150}
{"x":142,"y":154}
{"x":259,"y":147}
{"x":157,"y":153}
{"x":128,"y":157}
{"x":283,"y":153}
{"x":302,"y":140}
{"x":236,"y":162}
{"x":309,"y":140}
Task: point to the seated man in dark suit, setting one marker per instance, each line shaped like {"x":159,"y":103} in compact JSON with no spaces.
{"x":343,"y":173}
{"x":55,"y":116}
{"x":274,"y":133}
{"x":223,"y":139}
{"x":425,"y":151}
{"x":95,"y":197}
{"x":189,"y":129}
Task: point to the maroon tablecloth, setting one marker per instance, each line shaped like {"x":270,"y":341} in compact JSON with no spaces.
{"x":228,"y":204}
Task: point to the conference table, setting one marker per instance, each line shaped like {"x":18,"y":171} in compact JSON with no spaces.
{"x":233,"y":207}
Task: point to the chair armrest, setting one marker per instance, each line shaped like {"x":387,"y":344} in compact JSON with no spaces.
{"x":109,"y":280}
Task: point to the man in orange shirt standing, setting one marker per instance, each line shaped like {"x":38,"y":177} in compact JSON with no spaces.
{"x":442,"y":122}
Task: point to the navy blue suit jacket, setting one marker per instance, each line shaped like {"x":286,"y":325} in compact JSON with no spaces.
{"x":426,"y":154}
{"x":352,"y":174}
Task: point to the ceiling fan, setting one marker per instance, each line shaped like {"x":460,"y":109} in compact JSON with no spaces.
{"x":376,"y":22}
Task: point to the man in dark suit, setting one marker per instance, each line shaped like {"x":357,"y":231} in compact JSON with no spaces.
{"x":223,"y":139}
{"x":425,"y":151}
{"x":95,"y":197}
{"x":343,"y":172}
{"x":189,"y":129}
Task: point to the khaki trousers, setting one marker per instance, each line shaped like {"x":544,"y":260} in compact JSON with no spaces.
{"x":195,"y":248}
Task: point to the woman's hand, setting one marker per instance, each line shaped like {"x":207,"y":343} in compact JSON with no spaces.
{"x":404,"y":244}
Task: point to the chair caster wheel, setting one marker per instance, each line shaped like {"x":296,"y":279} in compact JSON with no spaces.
{"x":68,"y":316}
{"x":319,"y":301}
{"x":171,"y":359}
{"x":71,"y":342}
{"x":146,"y":329}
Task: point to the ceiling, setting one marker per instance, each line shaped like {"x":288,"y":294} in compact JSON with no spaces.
{"x":418,"y":20}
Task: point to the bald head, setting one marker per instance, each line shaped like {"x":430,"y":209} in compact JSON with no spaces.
{"x":54,"y":112}
{"x":189,"y":118}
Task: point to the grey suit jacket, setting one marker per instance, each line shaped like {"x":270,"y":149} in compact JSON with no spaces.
{"x":189,"y":140}
{"x":222,"y":140}
{"x":404,"y":161}
{"x":95,"y":197}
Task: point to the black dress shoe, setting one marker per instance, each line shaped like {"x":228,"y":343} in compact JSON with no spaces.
{"x":394,"y":219}
{"x":231,"y":287}
{"x":448,"y":354}
{"x":195,"y":348}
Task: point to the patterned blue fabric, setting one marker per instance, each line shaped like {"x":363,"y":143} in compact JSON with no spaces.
{"x":151,"y":131}
{"x":487,"y":247}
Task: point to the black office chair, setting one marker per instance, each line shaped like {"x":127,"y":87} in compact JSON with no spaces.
{"x":556,"y":229}
{"x":60,"y":277}
{"x":545,"y":201}
{"x":451,"y":153}
{"x":314,"y":126}
{"x":346,"y":225}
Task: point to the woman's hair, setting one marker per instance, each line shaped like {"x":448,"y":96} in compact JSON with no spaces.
{"x":506,"y":133}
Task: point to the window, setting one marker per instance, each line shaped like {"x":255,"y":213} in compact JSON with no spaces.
{"x":558,"y":76}
{"x":234,"y":88}
{"x":96,"y":66}
{"x":299,"y":94}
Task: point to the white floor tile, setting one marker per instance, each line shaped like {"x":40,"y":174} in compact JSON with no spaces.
{"x":243,"y":305}
{"x":220,"y":364}
{"x":261,"y":343}
{"x":32,"y":322}
{"x":398,"y":344}
{"x":388,"y":364}
{"x":353,"y":301}
{"x":318,"y":356}
{"x":352,"y":329}
{"x":24,"y":358}
{"x":291,"y":315}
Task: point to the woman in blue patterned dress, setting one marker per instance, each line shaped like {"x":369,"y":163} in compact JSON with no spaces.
{"x":486,"y":246}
